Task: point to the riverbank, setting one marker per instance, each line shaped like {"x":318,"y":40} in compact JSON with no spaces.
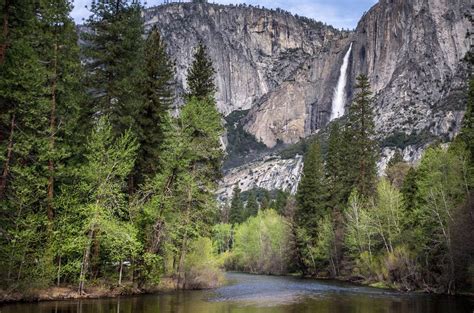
{"x":70,"y":292}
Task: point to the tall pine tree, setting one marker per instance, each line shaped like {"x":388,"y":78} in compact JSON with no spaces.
{"x":360,"y":133}
{"x":312,"y":194}
{"x":236,"y":206}
{"x":158,"y":98}
{"x":114,"y":51}
{"x":200,"y":76}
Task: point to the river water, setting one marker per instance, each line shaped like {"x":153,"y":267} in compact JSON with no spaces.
{"x":251,"y":294}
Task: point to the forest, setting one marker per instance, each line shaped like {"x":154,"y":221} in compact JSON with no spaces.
{"x":103,"y":183}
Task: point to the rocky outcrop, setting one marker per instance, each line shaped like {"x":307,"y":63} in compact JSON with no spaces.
{"x":270,"y":173}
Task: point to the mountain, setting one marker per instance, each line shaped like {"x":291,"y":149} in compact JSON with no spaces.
{"x":276,"y":75}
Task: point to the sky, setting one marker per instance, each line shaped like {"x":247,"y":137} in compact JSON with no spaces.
{"x":338,"y":13}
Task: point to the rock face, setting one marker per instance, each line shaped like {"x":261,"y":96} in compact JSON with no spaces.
{"x":284,"y":69}
{"x":412,"y":51}
{"x":269,"y":173}
{"x":253,"y":50}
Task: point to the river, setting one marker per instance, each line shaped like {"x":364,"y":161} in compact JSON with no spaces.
{"x":247,"y":293}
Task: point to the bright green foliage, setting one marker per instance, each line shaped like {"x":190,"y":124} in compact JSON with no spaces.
{"x":261,"y":244}
{"x":237,"y":214}
{"x":200,"y":76}
{"x":374,"y":230}
{"x":105,"y":210}
{"x":202,"y":270}
{"x":115,"y":54}
{"x":158,"y":98}
{"x":360,"y":133}
{"x":442,"y":191}
{"x":182,"y":205}
{"x":222,"y":237}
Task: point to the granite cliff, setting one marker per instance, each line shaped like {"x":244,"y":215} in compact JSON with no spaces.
{"x":281,"y":71}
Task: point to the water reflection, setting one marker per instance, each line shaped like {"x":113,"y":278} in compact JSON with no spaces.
{"x":260,"y":294}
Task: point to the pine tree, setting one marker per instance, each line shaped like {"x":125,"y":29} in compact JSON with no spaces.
{"x":266,"y":200}
{"x":114,"y":48}
{"x":339,"y":165}
{"x":200,"y":76}
{"x":236,"y":206}
{"x":158,"y":98}
{"x":361,"y":132}
{"x":280,"y":201}
{"x":251,"y":207}
{"x":40,"y":94}
{"x":312,"y":194}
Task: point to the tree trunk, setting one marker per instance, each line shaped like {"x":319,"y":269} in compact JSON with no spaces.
{"x":6,"y":166}
{"x":181,"y":274}
{"x":120,"y":273}
{"x":85,"y":262}
{"x":4,"y":44}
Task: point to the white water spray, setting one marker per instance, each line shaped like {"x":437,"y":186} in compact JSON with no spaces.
{"x":339,"y":98}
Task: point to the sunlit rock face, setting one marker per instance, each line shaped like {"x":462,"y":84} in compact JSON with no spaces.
{"x":270,"y":173}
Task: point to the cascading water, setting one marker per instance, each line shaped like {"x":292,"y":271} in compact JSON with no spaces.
{"x":339,"y":99}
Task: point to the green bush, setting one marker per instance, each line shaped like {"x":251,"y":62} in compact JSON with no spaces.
{"x":261,"y":244}
{"x":202,"y":268}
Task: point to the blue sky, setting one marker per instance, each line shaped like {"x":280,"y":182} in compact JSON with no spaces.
{"x":339,"y":13}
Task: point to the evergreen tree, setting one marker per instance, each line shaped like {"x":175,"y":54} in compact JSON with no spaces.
{"x":409,"y":192}
{"x":339,"y":166}
{"x":280,"y":201}
{"x":114,"y":50}
{"x":266,"y":200}
{"x":361,"y":132}
{"x":200,"y":76}
{"x":251,"y":207}
{"x":236,"y":207}
{"x":40,"y":94}
{"x":312,"y":194}
{"x":158,"y":98}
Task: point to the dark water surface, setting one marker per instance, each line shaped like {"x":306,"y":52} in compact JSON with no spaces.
{"x":250,"y":293}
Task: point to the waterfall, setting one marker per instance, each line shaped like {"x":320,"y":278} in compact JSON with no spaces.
{"x":338,"y":100}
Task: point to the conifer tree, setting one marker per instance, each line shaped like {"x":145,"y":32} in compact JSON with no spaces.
{"x":114,"y":51}
{"x":251,"y":207}
{"x":236,"y":206}
{"x":266,"y":200}
{"x":200,"y":76}
{"x":339,"y":166}
{"x":40,"y":94}
{"x":361,"y":132}
{"x":312,"y":194}
{"x":158,"y":98}
{"x":280,"y":202}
